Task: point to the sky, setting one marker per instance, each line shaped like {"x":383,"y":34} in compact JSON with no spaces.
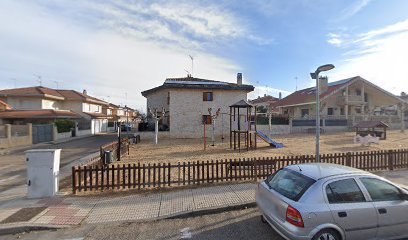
{"x":115,"y":49}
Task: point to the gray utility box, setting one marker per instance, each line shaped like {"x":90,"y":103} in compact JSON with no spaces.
{"x":42,"y":172}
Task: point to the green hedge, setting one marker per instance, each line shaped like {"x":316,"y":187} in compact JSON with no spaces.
{"x":64,"y":125}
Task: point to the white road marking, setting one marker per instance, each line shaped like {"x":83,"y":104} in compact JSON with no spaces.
{"x":185,"y":233}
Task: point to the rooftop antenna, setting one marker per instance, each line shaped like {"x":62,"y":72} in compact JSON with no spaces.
{"x":57,"y":83}
{"x":39,"y":79}
{"x":192,"y":64}
{"x":296,"y":82}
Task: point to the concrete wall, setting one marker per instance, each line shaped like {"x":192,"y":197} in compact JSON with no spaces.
{"x":276,"y":129}
{"x":23,"y":103}
{"x":64,"y":135}
{"x":14,"y":141}
{"x":75,"y":106}
{"x":187,"y":108}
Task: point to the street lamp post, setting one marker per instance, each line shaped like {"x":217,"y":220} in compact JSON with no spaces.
{"x":315,"y":75}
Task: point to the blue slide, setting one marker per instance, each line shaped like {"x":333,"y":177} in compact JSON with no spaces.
{"x":268,"y":140}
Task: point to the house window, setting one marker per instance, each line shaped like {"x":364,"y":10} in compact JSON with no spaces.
{"x":330,"y":111}
{"x":358,"y":92}
{"x":341,"y":111}
{"x":305,"y":112}
{"x":207,"y":96}
{"x":358,"y":110}
{"x":207,"y":119}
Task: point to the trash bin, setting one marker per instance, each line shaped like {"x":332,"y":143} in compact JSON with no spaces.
{"x":108,"y":157}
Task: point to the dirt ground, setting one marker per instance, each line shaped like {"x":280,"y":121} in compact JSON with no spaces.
{"x":179,"y":150}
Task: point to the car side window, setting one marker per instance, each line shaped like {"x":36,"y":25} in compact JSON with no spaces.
{"x":344,"y":191}
{"x":380,"y":190}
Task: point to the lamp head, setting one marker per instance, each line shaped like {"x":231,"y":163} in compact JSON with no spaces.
{"x":326,"y":67}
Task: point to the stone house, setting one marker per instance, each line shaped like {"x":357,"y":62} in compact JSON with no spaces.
{"x":352,"y":98}
{"x":187,"y":100}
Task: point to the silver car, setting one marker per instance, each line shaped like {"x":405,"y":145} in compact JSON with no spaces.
{"x":332,"y":202}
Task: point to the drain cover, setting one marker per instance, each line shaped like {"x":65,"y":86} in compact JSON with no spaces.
{"x":24,"y":215}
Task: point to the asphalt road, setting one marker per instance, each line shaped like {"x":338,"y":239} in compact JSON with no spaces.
{"x":13,"y":165}
{"x":241,"y":224}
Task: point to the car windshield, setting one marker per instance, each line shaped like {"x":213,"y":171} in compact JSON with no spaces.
{"x":289,"y":183}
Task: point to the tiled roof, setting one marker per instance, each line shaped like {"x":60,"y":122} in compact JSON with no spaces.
{"x":241,"y":104}
{"x":49,"y":92}
{"x":96,"y":115}
{"x":74,"y":95}
{"x":371,"y":124}
{"x":43,"y":113}
{"x":264,"y":99}
{"x":31,"y":91}
{"x":308,"y":95}
{"x":198,"y":83}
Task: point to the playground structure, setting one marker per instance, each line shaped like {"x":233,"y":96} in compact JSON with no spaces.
{"x":373,"y":128}
{"x":244,"y":125}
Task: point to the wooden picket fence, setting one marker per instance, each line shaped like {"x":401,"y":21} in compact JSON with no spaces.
{"x":159,"y":175}
{"x":117,"y":149}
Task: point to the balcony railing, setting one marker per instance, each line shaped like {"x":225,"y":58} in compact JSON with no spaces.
{"x":352,"y":99}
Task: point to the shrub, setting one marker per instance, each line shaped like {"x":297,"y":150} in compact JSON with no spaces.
{"x":64,"y":125}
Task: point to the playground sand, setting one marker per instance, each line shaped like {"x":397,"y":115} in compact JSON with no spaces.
{"x":179,"y":150}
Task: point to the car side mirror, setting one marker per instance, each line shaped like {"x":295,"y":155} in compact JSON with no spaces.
{"x":403,"y":196}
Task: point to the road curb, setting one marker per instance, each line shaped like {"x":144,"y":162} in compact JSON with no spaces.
{"x":208,"y":211}
{"x":19,"y":228}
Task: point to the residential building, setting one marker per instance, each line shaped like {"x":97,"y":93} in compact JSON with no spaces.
{"x":345,"y":99}
{"x":90,"y":108}
{"x":187,"y":100}
{"x":4,"y":106}
{"x":264,"y":101}
{"x":44,"y":105}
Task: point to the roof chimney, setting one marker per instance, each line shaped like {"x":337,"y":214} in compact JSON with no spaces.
{"x":84,"y":92}
{"x":324,"y":84}
{"x":280,"y":95}
{"x":239,"y":78}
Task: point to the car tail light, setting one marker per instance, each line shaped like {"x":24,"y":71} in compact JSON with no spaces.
{"x":293,"y":216}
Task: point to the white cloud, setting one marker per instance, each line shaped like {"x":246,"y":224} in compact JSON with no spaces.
{"x":353,"y":9}
{"x":379,"y":56}
{"x":78,"y":43}
{"x":334,"y":39}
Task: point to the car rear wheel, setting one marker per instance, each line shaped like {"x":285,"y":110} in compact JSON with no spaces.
{"x":327,"y":234}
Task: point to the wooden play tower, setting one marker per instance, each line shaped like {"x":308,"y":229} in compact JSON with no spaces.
{"x":241,"y":123}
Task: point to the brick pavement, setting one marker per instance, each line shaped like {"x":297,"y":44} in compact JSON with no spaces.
{"x":101,"y":209}
{"x":74,"y":210}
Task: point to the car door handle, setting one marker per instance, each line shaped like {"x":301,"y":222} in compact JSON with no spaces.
{"x":342,"y":214}
{"x":382,"y":211}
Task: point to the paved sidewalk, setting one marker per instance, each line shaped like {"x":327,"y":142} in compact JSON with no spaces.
{"x":102,"y":209}
{"x":74,"y":210}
